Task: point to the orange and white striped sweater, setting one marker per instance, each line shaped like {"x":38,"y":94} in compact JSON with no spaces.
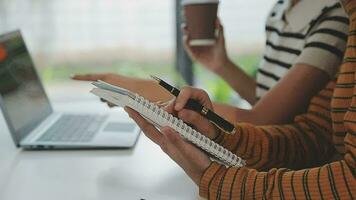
{"x":313,"y":158}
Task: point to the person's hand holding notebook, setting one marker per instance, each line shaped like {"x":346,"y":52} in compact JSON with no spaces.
{"x":163,"y":120}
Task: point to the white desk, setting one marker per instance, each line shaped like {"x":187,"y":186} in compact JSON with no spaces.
{"x":143,"y":172}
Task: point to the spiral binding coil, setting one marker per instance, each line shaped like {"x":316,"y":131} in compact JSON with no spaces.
{"x":149,"y":109}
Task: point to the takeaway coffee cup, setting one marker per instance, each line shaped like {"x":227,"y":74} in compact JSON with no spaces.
{"x":200,"y":19}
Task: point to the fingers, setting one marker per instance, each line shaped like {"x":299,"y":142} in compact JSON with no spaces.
{"x":221,"y":28}
{"x":108,"y":103}
{"x":219,"y":25}
{"x":170,"y":107}
{"x":186,"y":39}
{"x":193,"y":160}
{"x":200,"y":123}
{"x":169,"y":140}
{"x":192,"y":51}
{"x":88,"y":77}
{"x":189,"y":92}
{"x":186,"y":42}
{"x":217,"y":22}
{"x":148,"y":129}
{"x":184,"y":28}
{"x":173,"y":141}
{"x":181,"y":151}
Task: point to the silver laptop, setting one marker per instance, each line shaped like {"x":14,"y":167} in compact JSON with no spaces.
{"x":30,"y":118}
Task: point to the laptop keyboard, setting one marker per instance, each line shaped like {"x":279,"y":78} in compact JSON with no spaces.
{"x":73,"y":128}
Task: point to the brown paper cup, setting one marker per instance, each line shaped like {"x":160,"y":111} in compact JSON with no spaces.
{"x":201,"y":16}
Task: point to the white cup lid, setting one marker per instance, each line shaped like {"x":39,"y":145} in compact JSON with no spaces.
{"x":187,"y":2}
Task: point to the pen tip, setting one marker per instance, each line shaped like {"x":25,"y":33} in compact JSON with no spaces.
{"x":155,"y":78}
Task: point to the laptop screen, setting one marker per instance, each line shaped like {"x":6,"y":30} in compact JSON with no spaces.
{"x":22,"y":97}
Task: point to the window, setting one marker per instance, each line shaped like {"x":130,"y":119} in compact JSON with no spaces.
{"x":129,"y":37}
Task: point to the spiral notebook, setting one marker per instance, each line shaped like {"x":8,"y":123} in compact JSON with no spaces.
{"x":160,"y":118}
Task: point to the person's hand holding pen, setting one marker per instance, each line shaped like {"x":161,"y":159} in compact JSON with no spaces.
{"x":194,"y":105}
{"x":195,"y":119}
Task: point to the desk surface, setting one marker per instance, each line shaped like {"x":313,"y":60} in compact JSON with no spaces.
{"x":143,"y":172}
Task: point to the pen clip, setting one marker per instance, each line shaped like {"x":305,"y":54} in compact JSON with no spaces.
{"x":223,"y":130}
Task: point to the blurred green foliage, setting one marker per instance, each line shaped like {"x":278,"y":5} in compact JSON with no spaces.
{"x":218,"y":89}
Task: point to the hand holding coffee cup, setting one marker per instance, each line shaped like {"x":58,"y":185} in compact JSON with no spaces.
{"x":201,"y":18}
{"x":212,"y":57}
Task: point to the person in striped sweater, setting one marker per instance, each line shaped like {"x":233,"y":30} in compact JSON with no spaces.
{"x":312,"y":158}
{"x":305,"y":41}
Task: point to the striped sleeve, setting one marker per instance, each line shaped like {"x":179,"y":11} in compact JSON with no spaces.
{"x":269,"y":148}
{"x":275,"y":153}
{"x":331,"y":181}
{"x":305,"y":143}
{"x":326,"y":42}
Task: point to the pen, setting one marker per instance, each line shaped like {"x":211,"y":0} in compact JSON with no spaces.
{"x":192,"y":104}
